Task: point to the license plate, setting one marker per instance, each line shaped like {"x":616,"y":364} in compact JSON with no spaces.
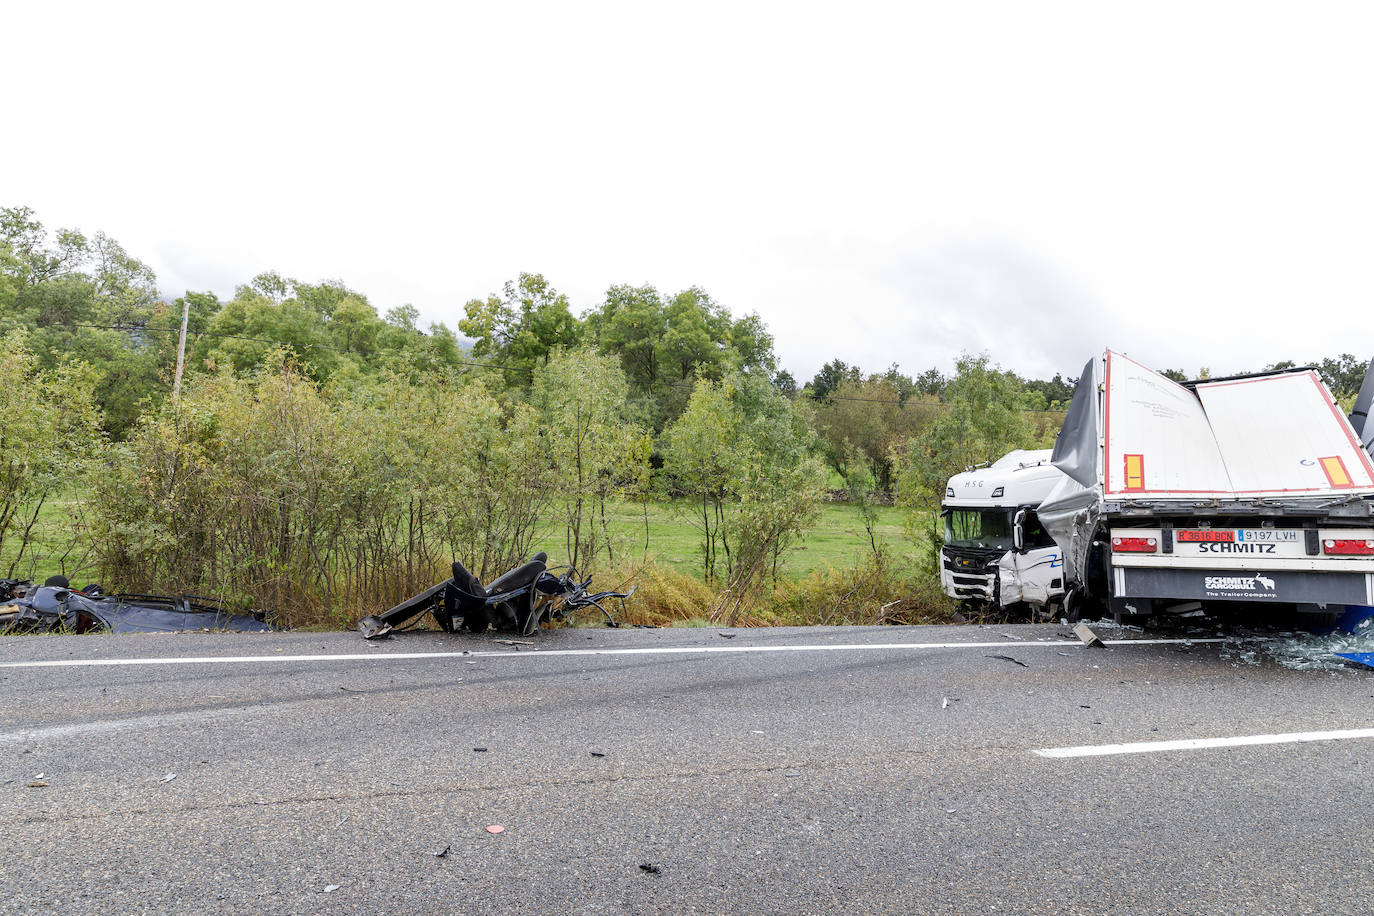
{"x":1267,"y":536}
{"x":1206,"y":536}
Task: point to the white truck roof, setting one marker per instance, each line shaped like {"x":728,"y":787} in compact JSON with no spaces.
{"x":1024,"y":476}
{"x":1271,"y":435}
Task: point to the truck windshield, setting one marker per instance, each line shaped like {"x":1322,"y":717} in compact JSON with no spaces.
{"x":989,"y":528}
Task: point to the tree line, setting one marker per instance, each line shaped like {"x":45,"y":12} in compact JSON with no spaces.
{"x":326,"y":458}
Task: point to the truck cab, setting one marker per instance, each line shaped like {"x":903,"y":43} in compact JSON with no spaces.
{"x":996,"y":554}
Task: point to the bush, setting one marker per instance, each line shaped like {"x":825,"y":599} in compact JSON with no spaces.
{"x":320,"y":505}
{"x":49,"y":438}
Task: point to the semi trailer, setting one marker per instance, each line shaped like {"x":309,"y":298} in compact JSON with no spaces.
{"x":1228,"y":494}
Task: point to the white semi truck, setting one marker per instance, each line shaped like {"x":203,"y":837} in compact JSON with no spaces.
{"x":995,"y":553}
{"x":1224,"y":494}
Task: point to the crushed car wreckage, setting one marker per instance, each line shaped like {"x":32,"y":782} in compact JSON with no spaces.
{"x":518,"y":600}
{"x":55,"y":606}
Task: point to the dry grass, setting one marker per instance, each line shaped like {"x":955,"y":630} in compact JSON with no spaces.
{"x":873,"y":591}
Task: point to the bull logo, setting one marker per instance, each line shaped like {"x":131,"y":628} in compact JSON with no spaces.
{"x":1265,"y":581}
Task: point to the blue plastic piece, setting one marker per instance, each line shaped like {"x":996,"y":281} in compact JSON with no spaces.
{"x":1364,"y":658}
{"x":1354,"y":615}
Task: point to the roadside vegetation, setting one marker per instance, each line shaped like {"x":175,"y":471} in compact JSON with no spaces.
{"x":323,"y":461}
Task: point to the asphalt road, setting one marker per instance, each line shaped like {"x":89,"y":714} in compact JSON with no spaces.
{"x":854,"y":776}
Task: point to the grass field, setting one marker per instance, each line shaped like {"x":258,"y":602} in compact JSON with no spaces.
{"x":837,"y":539}
{"x":830,"y":576}
{"x":671,"y":539}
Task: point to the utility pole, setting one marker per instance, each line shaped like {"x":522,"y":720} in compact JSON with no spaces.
{"x":181,"y":349}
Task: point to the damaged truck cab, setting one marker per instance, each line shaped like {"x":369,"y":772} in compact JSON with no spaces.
{"x":995,"y":552}
{"x":1223,"y":495}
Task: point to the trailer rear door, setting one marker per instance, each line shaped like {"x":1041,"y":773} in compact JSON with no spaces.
{"x":1283,"y":434}
{"x":1267,"y":436}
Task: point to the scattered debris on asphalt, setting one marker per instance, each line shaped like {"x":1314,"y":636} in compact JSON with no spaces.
{"x":331,"y":888}
{"x":496,"y":828}
{"x":442,"y":853}
{"x":168,"y":778}
{"x":727,"y":635}
{"x":650,"y":869}
{"x":597,"y":754}
{"x":945,"y":703}
{"x":1090,"y":639}
{"x":1008,"y":658}
{"x":479,"y":750}
{"x":38,"y":784}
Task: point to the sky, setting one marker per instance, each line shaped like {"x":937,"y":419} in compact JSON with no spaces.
{"x":882,"y":183}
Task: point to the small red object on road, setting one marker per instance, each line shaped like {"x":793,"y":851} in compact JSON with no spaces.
{"x":496,"y":828}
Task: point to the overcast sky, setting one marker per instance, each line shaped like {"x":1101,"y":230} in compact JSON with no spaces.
{"x":881,"y":182}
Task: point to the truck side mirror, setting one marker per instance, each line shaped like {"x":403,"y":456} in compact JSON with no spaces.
{"x":1018,"y":531}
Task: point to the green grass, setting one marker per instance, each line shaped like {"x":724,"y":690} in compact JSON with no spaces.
{"x":55,"y":547}
{"x":837,"y":539}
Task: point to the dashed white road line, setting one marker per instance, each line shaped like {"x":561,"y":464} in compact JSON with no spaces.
{"x":1005,"y":645}
{"x":1197,"y":744}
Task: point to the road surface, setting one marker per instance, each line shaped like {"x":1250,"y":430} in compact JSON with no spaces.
{"x":904,"y":770}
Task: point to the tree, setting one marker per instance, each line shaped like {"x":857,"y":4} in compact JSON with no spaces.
{"x":869,"y":415}
{"x":31,"y":260}
{"x":1344,"y":374}
{"x":745,"y":460}
{"x":931,"y":382}
{"x":49,"y":439}
{"x":1054,"y":394}
{"x":693,"y":341}
{"x":522,"y":327}
{"x":702,"y":458}
{"x":828,"y":379}
{"x":581,"y":399}
{"x":982,"y":421}
{"x":630,"y":324}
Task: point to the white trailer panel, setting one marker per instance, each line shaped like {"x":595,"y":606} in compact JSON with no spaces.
{"x":1268,"y":436}
{"x":1157,"y":438}
{"x":1283,"y":434}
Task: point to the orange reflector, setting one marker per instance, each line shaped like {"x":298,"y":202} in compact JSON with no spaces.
{"x":1135,"y":472}
{"x":1335,"y":471}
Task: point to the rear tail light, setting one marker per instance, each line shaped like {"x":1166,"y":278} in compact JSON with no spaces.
{"x":1356,"y":547}
{"x":1135,"y":545}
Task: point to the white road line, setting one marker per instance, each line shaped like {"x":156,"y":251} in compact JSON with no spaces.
{"x":1195,"y":744}
{"x":1006,"y":645}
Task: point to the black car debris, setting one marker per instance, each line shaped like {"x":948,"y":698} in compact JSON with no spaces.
{"x":55,"y":606}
